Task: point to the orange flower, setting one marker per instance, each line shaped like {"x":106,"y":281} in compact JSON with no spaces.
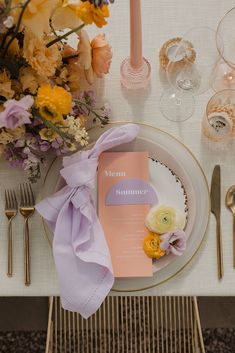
{"x":89,"y":14}
{"x":36,"y":15}
{"x":94,"y":57}
{"x":42,"y":59}
{"x":152,"y":246}
{"x":101,"y":55}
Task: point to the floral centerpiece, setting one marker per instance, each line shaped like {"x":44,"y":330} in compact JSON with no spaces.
{"x":43,"y":101}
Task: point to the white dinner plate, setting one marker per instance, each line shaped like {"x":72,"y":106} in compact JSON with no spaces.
{"x":179,"y":181}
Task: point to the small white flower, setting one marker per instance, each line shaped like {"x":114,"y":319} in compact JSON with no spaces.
{"x":9,"y":22}
{"x":74,"y":129}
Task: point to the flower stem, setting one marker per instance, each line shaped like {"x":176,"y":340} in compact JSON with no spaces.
{"x":59,"y":38}
{"x":98,"y":116}
{"x":17,"y":27}
{"x":74,"y":56}
{"x":52,"y":126}
{"x":53,"y":30}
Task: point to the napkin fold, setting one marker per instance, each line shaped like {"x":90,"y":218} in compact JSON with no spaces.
{"x":80,"y":250}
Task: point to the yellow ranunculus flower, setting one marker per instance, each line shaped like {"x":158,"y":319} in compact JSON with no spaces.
{"x":89,"y":14}
{"x":152,"y":246}
{"x":53,"y":102}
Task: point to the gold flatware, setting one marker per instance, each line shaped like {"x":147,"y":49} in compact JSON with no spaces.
{"x":230,"y":203}
{"x":27,"y":204}
{"x":11,"y":209}
{"x":215,"y":195}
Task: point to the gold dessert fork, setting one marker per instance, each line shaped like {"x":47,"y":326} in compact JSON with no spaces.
{"x":11,"y":209}
{"x":27,"y":203}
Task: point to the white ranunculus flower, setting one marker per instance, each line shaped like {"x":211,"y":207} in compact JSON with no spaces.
{"x":163,"y":219}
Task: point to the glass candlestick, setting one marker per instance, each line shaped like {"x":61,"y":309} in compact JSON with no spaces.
{"x":135,"y":70}
{"x":134,"y":78}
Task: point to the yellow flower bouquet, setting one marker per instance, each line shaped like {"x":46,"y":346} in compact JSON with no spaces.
{"x":43,"y":101}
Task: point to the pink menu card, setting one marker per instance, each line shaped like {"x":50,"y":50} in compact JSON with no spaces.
{"x":122,"y":208}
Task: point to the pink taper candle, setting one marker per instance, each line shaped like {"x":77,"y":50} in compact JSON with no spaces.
{"x":136,"y":59}
{"x":135,"y":69}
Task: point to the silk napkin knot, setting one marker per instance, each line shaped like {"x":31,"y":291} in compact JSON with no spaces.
{"x":80,"y":250}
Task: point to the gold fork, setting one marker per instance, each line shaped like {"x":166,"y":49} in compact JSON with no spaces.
{"x":27,"y":203}
{"x":11,"y":209}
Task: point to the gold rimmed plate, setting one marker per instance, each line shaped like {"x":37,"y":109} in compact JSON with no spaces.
{"x":167,"y":152}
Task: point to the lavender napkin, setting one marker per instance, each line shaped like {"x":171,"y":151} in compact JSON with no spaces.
{"x":80,"y":250}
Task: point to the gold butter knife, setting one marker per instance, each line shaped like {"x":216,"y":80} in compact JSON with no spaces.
{"x":215,"y":195}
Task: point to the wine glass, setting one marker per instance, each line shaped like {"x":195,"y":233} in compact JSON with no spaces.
{"x":189,"y":73}
{"x":225,"y":41}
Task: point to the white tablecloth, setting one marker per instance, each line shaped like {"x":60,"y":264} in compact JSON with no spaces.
{"x":162,"y":19}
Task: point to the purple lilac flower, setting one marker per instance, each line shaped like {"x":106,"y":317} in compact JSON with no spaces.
{"x":57,"y":143}
{"x":89,"y":98}
{"x":19,"y":143}
{"x":16,"y":112}
{"x":15,"y":159}
{"x":107,"y":111}
{"x":100,"y":3}
{"x":16,"y":163}
{"x":174,"y":242}
{"x":31,"y":141}
{"x":44,"y":146}
{"x":78,"y":110}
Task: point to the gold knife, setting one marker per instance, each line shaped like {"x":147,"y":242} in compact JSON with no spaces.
{"x":216,"y":209}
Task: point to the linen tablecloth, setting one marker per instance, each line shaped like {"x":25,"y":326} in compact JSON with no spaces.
{"x":162,"y":19}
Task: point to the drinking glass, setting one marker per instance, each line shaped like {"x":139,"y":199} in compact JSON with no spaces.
{"x":225,"y":40}
{"x":218,"y":123}
{"x":189,"y":73}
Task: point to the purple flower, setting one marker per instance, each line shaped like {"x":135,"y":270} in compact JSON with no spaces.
{"x":89,"y":100}
{"x":174,"y":242}
{"x":57,"y":143}
{"x":107,"y":111}
{"x":100,"y":3}
{"x":16,"y":112}
{"x":89,"y":97}
{"x":44,"y":146}
{"x":19,"y":143}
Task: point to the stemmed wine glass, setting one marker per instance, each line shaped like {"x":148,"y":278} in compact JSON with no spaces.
{"x":189,"y":73}
{"x":225,"y":41}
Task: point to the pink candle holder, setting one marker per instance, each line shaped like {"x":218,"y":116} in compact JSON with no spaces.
{"x":135,"y":78}
{"x":135,"y":70}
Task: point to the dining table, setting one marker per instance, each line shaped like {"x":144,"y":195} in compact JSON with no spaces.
{"x":161,"y":20}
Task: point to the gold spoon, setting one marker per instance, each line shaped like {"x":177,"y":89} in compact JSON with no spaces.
{"x":230,"y":203}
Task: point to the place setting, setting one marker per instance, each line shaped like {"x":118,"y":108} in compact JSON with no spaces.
{"x":124,"y":205}
{"x":173,"y":175}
